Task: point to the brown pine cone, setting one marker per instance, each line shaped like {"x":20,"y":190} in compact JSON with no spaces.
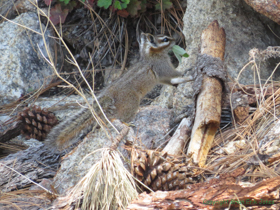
{"x":37,"y":122}
{"x":160,"y":172}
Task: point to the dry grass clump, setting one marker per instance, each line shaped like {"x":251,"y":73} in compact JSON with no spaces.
{"x":107,"y":185}
{"x":254,"y":140}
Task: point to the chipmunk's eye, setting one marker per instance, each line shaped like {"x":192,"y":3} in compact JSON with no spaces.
{"x":165,"y":39}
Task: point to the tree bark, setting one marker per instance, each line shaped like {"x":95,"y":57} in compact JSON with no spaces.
{"x":214,"y":194}
{"x":269,"y":8}
{"x":18,"y":170}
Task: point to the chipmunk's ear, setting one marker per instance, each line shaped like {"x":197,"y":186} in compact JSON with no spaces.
{"x":142,"y":40}
{"x":139,"y":36}
{"x":138,"y":32}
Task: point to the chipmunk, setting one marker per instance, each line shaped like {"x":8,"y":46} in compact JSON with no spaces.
{"x":122,"y":98}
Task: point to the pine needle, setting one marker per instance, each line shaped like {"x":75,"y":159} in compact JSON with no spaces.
{"x":107,"y":185}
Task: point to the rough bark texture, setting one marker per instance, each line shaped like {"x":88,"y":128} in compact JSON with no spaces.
{"x":269,"y":8}
{"x":11,"y":132}
{"x":208,"y":105}
{"x":240,"y":107}
{"x":214,"y":194}
{"x":35,"y":163}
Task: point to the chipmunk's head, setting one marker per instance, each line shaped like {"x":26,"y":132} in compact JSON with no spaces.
{"x":152,"y":45}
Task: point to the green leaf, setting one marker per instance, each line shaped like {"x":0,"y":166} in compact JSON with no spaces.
{"x":143,"y":5}
{"x":65,"y":1}
{"x":121,"y":4}
{"x":29,"y":90}
{"x":164,"y":4}
{"x":104,"y":3}
{"x":125,"y":1}
{"x":179,"y":58}
{"x":179,"y":52}
{"x":133,"y":7}
{"x":117,"y":5}
{"x":71,"y":5}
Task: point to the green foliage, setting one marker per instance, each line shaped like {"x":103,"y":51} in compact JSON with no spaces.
{"x":124,"y":7}
{"x":133,"y":7}
{"x":65,"y":1}
{"x":179,"y":52}
{"x":143,"y":5}
{"x":104,"y":3}
{"x":164,"y":4}
{"x":120,"y":4}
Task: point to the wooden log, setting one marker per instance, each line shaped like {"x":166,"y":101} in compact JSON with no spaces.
{"x":176,"y":144}
{"x":214,"y":194}
{"x":240,"y":107}
{"x":18,"y":170}
{"x":11,"y":132}
{"x":208,"y":105}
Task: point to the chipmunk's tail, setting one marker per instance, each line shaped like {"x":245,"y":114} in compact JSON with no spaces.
{"x":65,"y":133}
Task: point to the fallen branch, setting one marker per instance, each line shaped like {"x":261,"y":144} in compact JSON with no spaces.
{"x":176,"y":144}
{"x":208,"y":87}
{"x":215,"y":194}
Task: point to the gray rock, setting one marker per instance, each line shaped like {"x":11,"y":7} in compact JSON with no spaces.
{"x":6,"y":9}
{"x":151,"y":126}
{"x":176,"y":99}
{"x":75,"y":165}
{"x":244,"y":30}
{"x":23,"y":68}
{"x":165,"y":98}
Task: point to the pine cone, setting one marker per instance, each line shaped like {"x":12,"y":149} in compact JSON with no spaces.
{"x":161,"y":172}
{"x":37,"y":122}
